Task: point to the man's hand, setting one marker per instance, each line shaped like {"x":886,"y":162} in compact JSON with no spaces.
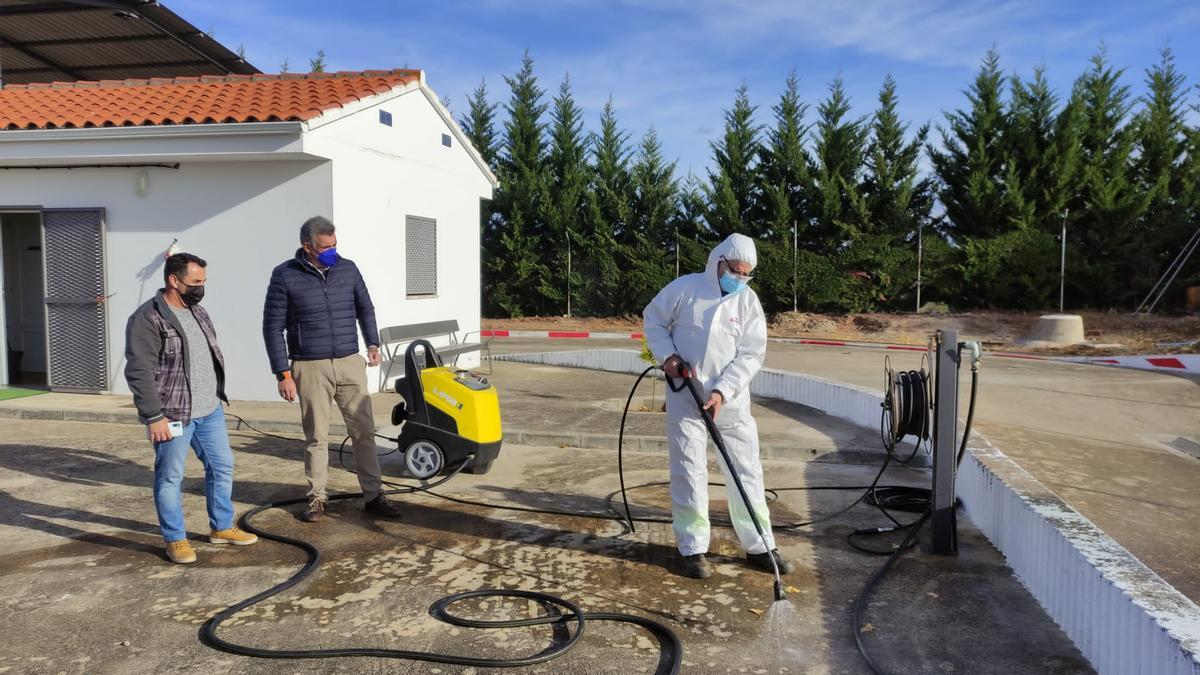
{"x":287,"y":389}
{"x":373,"y":356}
{"x":159,"y":432}
{"x":715,"y":400}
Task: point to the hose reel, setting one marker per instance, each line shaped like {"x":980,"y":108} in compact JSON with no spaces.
{"x":907,"y":407}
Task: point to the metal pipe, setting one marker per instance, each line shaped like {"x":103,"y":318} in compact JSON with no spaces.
{"x":1062,"y":265}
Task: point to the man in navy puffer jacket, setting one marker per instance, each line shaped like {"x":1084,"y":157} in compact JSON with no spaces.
{"x":319,"y":300}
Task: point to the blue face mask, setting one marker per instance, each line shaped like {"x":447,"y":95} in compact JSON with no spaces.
{"x":328,"y":257}
{"x":731,"y":284}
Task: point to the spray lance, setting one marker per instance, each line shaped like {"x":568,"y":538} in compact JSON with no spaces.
{"x":691,"y":383}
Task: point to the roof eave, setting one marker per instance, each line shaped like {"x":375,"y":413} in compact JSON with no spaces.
{"x":151,"y":131}
{"x":194,"y":142}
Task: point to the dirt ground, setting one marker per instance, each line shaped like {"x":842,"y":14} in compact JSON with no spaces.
{"x":1108,"y":332}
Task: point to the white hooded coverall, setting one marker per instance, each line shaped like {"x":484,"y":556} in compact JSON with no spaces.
{"x":724,"y":338}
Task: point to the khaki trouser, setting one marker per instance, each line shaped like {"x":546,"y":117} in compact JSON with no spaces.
{"x":320,"y":383}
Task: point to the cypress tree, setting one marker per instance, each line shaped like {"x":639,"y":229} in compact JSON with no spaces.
{"x":734,"y":192}
{"x":609,"y":209}
{"x":786,"y":165}
{"x":839,"y":149}
{"x":1160,"y":171}
{"x":649,"y":262}
{"x":987,"y":211}
{"x":1032,"y":144}
{"x":692,"y":233}
{"x":568,"y":179}
{"x":514,"y":271}
{"x":1109,"y":203}
{"x":970,"y":162}
{"x":479,"y":124}
{"x":613,"y":183}
{"x":898,"y":198}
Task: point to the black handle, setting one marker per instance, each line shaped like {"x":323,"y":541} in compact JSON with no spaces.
{"x":688,"y":373}
{"x":417,"y":409}
{"x":690,"y":382}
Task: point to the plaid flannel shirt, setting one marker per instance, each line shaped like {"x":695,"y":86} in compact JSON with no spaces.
{"x":156,"y":363}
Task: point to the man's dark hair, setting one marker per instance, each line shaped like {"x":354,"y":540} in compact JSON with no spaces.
{"x":177,"y":265}
{"x":314,"y":226}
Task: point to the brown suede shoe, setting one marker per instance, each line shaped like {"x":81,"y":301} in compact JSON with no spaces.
{"x":233,"y":535}
{"x":180,"y":552}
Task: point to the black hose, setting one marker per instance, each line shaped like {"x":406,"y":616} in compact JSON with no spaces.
{"x":621,"y":446}
{"x":566,"y":611}
{"x":962,"y":449}
{"x":906,"y":406}
{"x":886,"y":498}
{"x":916,"y":500}
{"x":860,"y":604}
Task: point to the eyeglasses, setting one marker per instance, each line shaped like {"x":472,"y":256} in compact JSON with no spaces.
{"x":747,"y":278}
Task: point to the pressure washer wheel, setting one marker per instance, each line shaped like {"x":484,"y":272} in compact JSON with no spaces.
{"x":423,"y":459}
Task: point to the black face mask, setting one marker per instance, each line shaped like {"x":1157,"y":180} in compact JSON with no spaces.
{"x":191,"y":295}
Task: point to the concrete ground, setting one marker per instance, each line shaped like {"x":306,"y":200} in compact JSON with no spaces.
{"x":1112,"y":443}
{"x":84,"y":587}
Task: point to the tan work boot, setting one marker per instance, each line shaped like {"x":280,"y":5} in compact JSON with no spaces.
{"x":233,"y":536}
{"x":180,"y":552}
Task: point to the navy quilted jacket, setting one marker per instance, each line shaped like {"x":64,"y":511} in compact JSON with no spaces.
{"x":320,"y":313}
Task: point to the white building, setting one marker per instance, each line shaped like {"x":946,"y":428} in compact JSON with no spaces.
{"x":97,"y":180}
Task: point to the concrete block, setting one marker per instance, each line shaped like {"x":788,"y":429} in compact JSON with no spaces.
{"x":1055,"y":330}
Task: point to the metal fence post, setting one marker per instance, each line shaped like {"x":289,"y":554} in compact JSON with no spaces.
{"x":795,"y":272}
{"x":920,"y":252}
{"x":945,"y":426}
{"x":568,"y":272}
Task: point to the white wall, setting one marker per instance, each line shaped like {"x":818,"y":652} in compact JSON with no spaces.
{"x":242,"y":217}
{"x":382,"y":174}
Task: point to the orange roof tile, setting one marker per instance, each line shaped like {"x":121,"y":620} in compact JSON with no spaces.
{"x":190,"y":100}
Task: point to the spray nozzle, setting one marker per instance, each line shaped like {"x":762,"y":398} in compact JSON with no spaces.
{"x":779,"y":594}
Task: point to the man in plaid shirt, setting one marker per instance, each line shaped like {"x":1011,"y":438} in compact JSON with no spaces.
{"x":177,"y":375}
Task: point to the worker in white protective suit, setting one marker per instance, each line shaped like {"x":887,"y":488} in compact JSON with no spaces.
{"x":714,"y":322}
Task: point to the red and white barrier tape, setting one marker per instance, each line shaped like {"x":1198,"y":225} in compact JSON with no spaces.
{"x":1178,"y":363}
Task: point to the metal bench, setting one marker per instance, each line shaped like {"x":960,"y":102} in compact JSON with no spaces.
{"x":394,"y":340}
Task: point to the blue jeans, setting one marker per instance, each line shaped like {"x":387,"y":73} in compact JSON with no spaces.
{"x":207,"y":436}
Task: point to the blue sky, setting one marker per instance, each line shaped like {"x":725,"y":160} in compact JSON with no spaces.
{"x":675,"y":64}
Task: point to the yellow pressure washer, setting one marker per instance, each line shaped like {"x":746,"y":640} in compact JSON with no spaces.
{"x":447,"y":416}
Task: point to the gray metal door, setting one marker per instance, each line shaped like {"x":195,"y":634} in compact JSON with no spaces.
{"x":76,"y":335}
